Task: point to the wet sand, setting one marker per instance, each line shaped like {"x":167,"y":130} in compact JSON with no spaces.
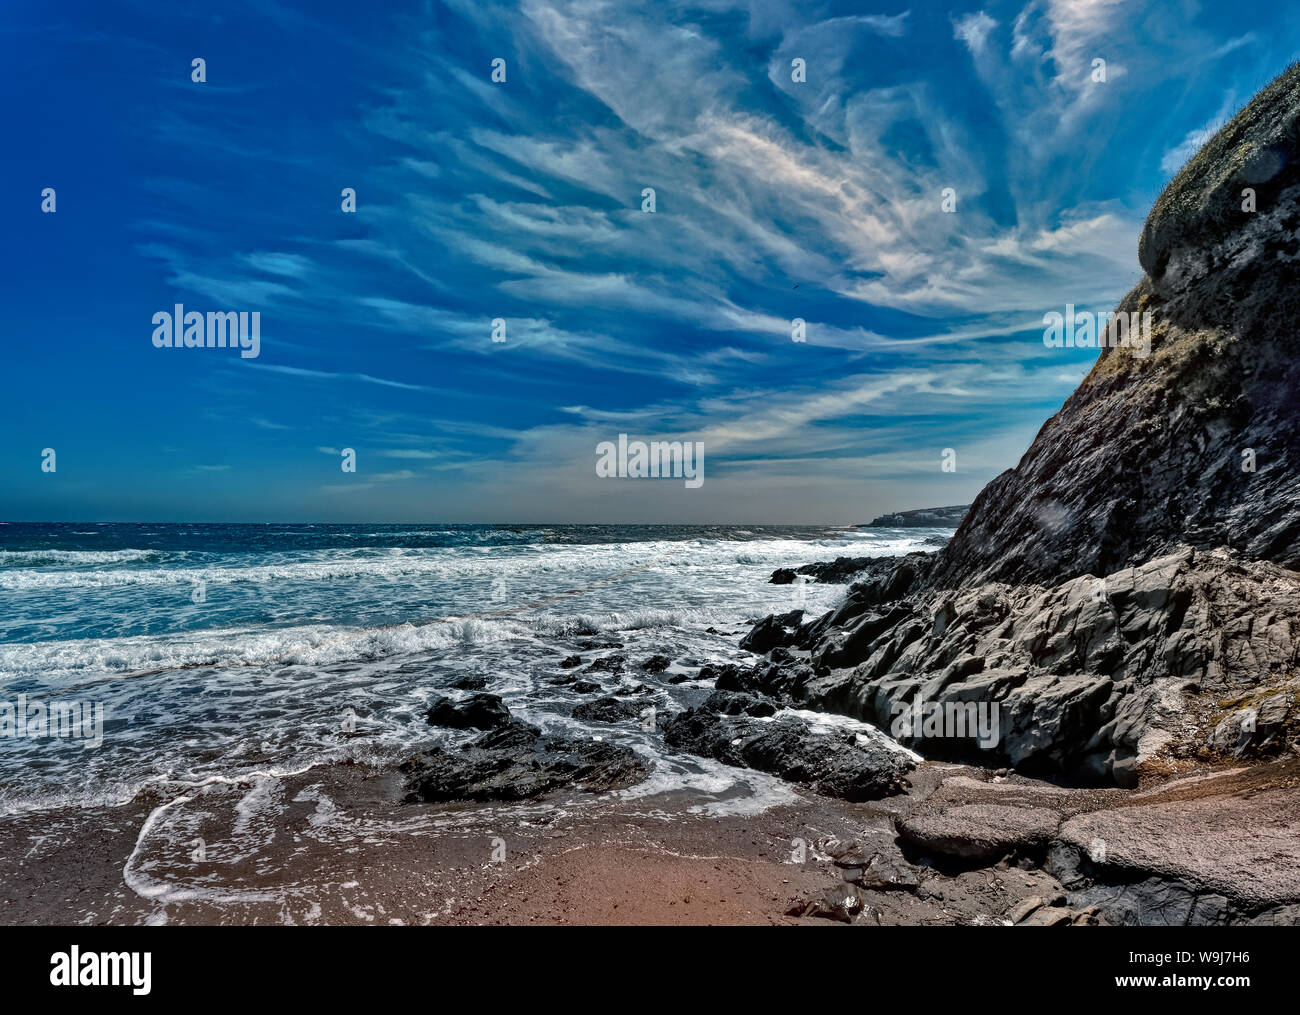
{"x":350,"y":854}
{"x":333,"y":846}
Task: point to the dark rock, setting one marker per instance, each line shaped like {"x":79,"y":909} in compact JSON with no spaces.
{"x":832,"y":764}
{"x":772,"y":631}
{"x":739,"y":703}
{"x":656,"y":664}
{"x":469,"y":683}
{"x":608,"y":709}
{"x":888,"y":872}
{"x":773,"y":681}
{"x":510,"y":736}
{"x":478,"y":711}
{"x":837,"y":571}
{"x":570,"y":662}
{"x":782,"y":576}
{"x":1078,"y":677}
{"x":585,"y":686}
{"x":607,"y":664}
{"x":1128,"y":599}
{"x":1223,"y":289}
{"x":516,"y":762}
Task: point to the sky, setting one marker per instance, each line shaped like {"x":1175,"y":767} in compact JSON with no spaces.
{"x":523,"y":200}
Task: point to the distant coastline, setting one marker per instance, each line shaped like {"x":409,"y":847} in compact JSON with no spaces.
{"x":920,"y":518}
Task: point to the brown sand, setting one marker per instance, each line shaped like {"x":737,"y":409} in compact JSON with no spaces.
{"x":339,"y":849}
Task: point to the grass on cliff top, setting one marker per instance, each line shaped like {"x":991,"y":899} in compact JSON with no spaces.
{"x":1269,"y":118}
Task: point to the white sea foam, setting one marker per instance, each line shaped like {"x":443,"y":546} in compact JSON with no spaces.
{"x":16,"y":559}
{"x":256,"y":674}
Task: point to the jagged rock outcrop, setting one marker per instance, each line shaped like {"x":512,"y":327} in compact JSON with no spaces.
{"x":1189,"y":655}
{"x":1131,"y":590}
{"x":835,"y":572}
{"x":516,"y":761}
{"x":736,"y":728}
{"x":1148,"y":453}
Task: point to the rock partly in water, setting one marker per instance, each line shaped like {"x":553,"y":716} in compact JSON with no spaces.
{"x":1090,"y":678}
{"x":469,"y":682}
{"x":1113,"y":594}
{"x":836,"y":764}
{"x":607,"y":664}
{"x":739,"y":703}
{"x":517,"y":762}
{"x":478,"y":711}
{"x":608,"y":709}
{"x":773,"y":631}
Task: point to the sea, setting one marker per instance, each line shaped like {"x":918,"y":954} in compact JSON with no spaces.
{"x":237,"y":653}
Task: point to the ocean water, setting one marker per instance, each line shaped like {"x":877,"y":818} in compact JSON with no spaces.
{"x":232,"y":654}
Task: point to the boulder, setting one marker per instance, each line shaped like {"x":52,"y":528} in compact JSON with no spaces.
{"x":980,"y":832}
{"x":834,"y":764}
{"x":608,"y":709}
{"x":478,"y":711}
{"x":772,"y":631}
{"x":517,"y":762}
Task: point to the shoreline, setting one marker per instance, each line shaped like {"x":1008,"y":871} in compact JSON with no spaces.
{"x":343,"y":850}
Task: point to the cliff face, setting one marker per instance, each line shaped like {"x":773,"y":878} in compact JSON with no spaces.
{"x":1129,"y":594}
{"x":1151,"y":453}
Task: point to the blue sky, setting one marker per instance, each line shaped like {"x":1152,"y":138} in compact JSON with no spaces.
{"x":522,"y":200}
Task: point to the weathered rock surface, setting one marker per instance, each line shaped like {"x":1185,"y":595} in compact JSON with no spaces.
{"x":517,"y":762}
{"x":608,"y":709}
{"x":772,"y":632}
{"x":1225,"y":860}
{"x":1148,"y":453}
{"x":478,"y":711}
{"x":1089,"y":678}
{"x":1215,"y":847}
{"x":837,"y":764}
{"x":739,"y":703}
{"x":981,"y":831}
{"x":1130,"y":591}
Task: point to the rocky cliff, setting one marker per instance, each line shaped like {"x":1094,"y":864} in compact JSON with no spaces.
{"x":1148,"y":453}
{"x":1128,"y":595}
